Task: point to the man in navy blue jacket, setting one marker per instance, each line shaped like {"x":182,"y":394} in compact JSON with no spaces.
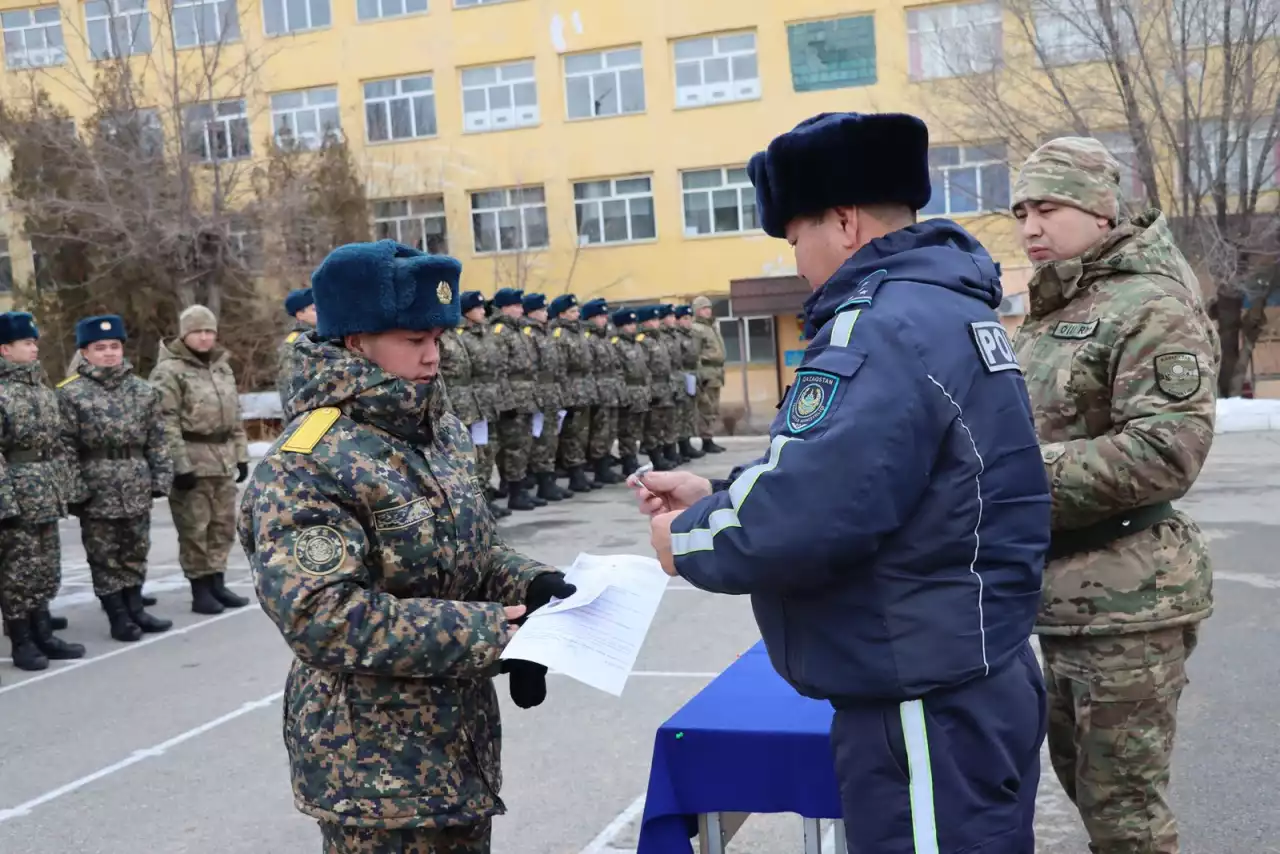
{"x":893,"y":537}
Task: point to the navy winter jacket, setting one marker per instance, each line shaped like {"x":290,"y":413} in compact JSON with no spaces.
{"x":893,"y":538}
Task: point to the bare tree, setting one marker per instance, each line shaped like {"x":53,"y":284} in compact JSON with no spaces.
{"x":1185,"y":93}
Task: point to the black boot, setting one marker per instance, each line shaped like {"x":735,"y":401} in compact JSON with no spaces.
{"x":530,"y":482}
{"x":521,"y":500}
{"x":629,"y":466}
{"x":220,"y":592}
{"x":688,"y":450}
{"x":136,"y":605}
{"x":533,"y":497}
{"x":54,"y":648}
{"x":672,"y":452}
{"x":710,"y":447}
{"x":58,"y":624}
{"x":202,"y":599}
{"x":605,"y":476}
{"x":547,"y":489}
{"x":659,"y":461}
{"x":498,"y":511}
{"x":148,"y":601}
{"x":26,"y":655}
{"x":123,"y":628}
{"x":502,"y":491}
{"x":578,"y":480}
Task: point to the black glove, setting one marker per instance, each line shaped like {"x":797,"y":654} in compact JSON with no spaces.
{"x":527,"y":682}
{"x":77,"y":508}
{"x":185,"y":481}
{"x":244,"y":472}
{"x":544,"y":588}
{"x":11,"y":522}
{"x":155,"y":493}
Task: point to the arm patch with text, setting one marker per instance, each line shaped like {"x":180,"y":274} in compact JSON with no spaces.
{"x":993,"y":345}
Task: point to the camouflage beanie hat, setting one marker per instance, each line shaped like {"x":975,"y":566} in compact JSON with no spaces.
{"x":1074,"y":170}
{"x":197,"y":318}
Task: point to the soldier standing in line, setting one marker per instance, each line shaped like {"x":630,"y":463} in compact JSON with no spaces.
{"x":580,"y":390}
{"x":35,"y":492}
{"x":1121,"y":364}
{"x":549,"y":394}
{"x":710,"y":372}
{"x":633,"y":413}
{"x":675,"y":383}
{"x":609,"y":390}
{"x":686,"y":397}
{"x":659,"y":387}
{"x":301,"y":307}
{"x":210,"y":454}
{"x":519,"y":362}
{"x":486,"y":385}
{"x":113,"y":423}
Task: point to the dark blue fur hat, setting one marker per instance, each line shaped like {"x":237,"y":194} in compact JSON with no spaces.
{"x":508,"y":296}
{"x":684,"y":311}
{"x":375,"y":287}
{"x":648,"y":312}
{"x":472,"y":299}
{"x":533,"y":302}
{"x":297,"y":300}
{"x":102,"y":327}
{"x":17,"y":326}
{"x":561,"y":304}
{"x":591,"y":308}
{"x":623,"y":316}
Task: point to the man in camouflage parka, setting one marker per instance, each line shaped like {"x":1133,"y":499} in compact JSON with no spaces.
{"x":580,"y":390}
{"x":548,"y":394}
{"x":1121,"y":364}
{"x":486,"y":382}
{"x":301,"y":307}
{"x":610,"y":390}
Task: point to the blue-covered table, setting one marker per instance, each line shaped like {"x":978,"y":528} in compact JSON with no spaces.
{"x":747,"y":743}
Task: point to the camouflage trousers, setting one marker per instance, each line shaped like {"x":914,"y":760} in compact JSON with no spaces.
{"x":117,"y":552}
{"x":515,"y":443}
{"x":467,"y":839}
{"x":659,"y":427}
{"x":205,"y":517}
{"x":542,"y":456}
{"x":1113,"y":710}
{"x":30,"y":567}
{"x":604,"y":429}
{"x":686,"y":416}
{"x":630,"y":430}
{"x":708,"y":410}
{"x":574,"y":436}
{"x":485,"y":457}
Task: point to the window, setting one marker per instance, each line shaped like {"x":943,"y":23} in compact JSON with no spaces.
{"x":1068,"y":31}
{"x":6,"y":266}
{"x":614,"y":211}
{"x":833,"y":54}
{"x":499,"y":97}
{"x":716,"y":69}
{"x":1120,"y":144}
{"x":608,"y":83}
{"x":372,"y":10}
{"x":463,"y":4}
{"x":33,"y":38}
{"x":117,"y":28}
{"x":953,"y":40}
{"x":197,"y":22}
{"x":761,"y":345}
{"x":294,"y":16}
{"x":218,"y":131}
{"x":404,"y":108}
{"x":138,"y":131}
{"x":718,"y":201}
{"x":968,"y":179}
{"x":1252,"y":21}
{"x":418,"y":222}
{"x":1248,"y":148}
{"x":305,"y":118}
{"x":509,"y":220}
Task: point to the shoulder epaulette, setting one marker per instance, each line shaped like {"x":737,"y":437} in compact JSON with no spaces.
{"x":528,"y":330}
{"x":614,"y":339}
{"x":292,"y":336}
{"x":865,"y":292}
{"x":312,"y":430}
{"x":586,"y":335}
{"x":68,"y":380}
{"x":640,"y":337}
{"x":497,"y":329}
{"x":556,"y":334}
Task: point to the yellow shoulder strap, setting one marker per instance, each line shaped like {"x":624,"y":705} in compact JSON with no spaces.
{"x":68,"y":380}
{"x":292,"y":336}
{"x":459,"y":330}
{"x":528,"y":330}
{"x":312,"y":430}
{"x":614,"y":339}
{"x":640,"y":337}
{"x":556,"y":334}
{"x":497,"y":330}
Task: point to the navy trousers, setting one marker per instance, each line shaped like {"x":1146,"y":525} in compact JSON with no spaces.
{"x":954,"y":772}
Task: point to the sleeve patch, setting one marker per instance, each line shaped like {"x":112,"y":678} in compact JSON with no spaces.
{"x":813,"y":394}
{"x":403,"y":515}
{"x":1075,"y":331}
{"x":1178,"y":374}
{"x":319,"y":550}
{"x":994,"y":349}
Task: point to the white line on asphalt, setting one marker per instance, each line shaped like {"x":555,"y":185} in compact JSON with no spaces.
{"x":604,"y":839}
{"x":1251,"y":578}
{"x":136,"y":757}
{"x":133,"y":647}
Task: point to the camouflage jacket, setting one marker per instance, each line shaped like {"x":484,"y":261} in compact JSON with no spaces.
{"x":113,"y":425}
{"x":374,"y":554}
{"x":1121,"y":363}
{"x":519,"y":363}
{"x":689,"y":349}
{"x":710,"y":352}
{"x":285,"y":372}
{"x":486,"y":369}
{"x":201,"y":411}
{"x":550,"y":377}
{"x":36,"y":483}
{"x":575,"y":349}
{"x":634,"y":356}
{"x":455,"y":370}
{"x":659,"y":356}
{"x":671,"y":339}
{"x":606,"y":365}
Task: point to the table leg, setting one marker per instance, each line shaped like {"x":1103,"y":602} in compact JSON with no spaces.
{"x":842,"y":844}
{"x":812,"y":836}
{"x":715,"y":830}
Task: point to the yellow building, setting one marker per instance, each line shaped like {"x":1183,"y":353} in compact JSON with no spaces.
{"x":593,"y":146}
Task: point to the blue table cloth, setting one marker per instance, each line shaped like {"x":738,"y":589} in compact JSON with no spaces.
{"x":746,"y":743}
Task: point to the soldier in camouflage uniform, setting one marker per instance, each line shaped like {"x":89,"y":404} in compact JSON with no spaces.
{"x":36,"y":490}
{"x":633,"y":413}
{"x":661,"y":401}
{"x":686,"y":396}
{"x":669,"y":338}
{"x":607,"y":371}
{"x":710,"y":372}
{"x":373,"y":554}
{"x":1121,"y":364}
{"x":210,"y":454}
{"x":580,"y":390}
{"x":301,"y":307}
{"x":549,"y":382}
{"x":519,"y":362}
{"x":113,"y":424}
{"x":486,"y":384}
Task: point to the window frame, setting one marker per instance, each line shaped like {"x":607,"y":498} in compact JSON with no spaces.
{"x":916,"y":47}
{"x":591,"y":76}
{"x":224,"y":120}
{"x":223,"y":21}
{"x":743,"y":325}
{"x":284,"y":16}
{"x":401,"y":95}
{"x":112,"y":15}
{"x":322,"y":131}
{"x":534,"y":119}
{"x":425,"y":10}
{"x":947,"y":169}
{"x":626,"y":198}
{"x":736,"y":90}
{"x":740,"y":186}
{"x":34,"y":27}
{"x":411,"y":216}
{"x":507,"y":205}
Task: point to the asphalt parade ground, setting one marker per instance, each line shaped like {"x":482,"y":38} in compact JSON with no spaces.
{"x":172,"y":745}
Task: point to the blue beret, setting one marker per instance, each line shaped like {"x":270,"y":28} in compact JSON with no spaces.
{"x":591,"y":308}
{"x":835,"y":159}
{"x":102,"y":327}
{"x":17,"y":326}
{"x":297,"y":300}
{"x":666,"y":309}
{"x":533,"y":302}
{"x":471,"y":300}
{"x":375,"y":287}
{"x":623,"y":316}
{"x":507,"y":296}
{"x":562,"y":303}
{"x":647,"y":312}
{"x":684,"y":311}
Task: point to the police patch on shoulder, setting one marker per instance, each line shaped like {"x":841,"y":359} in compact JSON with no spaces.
{"x":1075,"y":331}
{"x":811,"y":399}
{"x":993,"y":346}
{"x":402,"y":516}
{"x":1178,"y":374}
{"x":319,"y":550}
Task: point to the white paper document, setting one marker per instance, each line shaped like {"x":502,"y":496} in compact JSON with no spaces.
{"x":595,"y":635}
{"x":691,"y":384}
{"x":480,"y":432}
{"x":560,"y":414}
{"x":537,"y":425}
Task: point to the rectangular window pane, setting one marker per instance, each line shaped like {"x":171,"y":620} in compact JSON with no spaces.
{"x":703,"y":179}
{"x":697,"y":213}
{"x":725,"y":203}
{"x":615,"y":220}
{"x":578,"y":94}
{"x":643,"y":223}
{"x":588,"y":218}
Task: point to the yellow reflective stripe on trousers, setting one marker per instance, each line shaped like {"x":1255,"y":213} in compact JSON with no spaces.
{"x":924,"y":823}
{"x":700,"y":539}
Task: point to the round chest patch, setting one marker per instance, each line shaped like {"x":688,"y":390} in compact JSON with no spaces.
{"x":319,"y":550}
